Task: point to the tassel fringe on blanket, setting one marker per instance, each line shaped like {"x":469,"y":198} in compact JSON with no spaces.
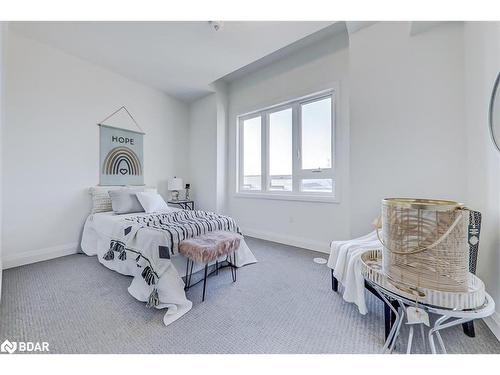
{"x":118,"y":247}
{"x":123,"y":255}
{"x":153,"y":299}
{"x":110,"y":255}
{"x":148,"y":275}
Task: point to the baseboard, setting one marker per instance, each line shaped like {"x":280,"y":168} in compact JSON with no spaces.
{"x":302,"y":242}
{"x":493,"y":323}
{"x":27,"y":257}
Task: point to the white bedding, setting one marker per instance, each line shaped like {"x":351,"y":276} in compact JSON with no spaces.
{"x":96,"y":238}
{"x":345,"y":260}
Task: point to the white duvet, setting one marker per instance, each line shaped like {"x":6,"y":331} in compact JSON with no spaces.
{"x":97,"y":234}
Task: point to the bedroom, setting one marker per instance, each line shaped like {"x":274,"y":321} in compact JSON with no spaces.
{"x":177,"y":187}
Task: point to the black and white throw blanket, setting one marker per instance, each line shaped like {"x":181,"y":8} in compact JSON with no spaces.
{"x":152,"y":252}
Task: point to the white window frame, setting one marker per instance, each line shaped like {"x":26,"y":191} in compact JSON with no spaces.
{"x":297,"y":172}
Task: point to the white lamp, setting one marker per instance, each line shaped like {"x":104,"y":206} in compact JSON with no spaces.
{"x":174,"y":185}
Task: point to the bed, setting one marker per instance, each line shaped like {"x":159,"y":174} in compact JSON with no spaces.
{"x":100,"y":231}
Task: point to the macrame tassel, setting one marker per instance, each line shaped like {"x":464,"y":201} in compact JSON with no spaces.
{"x":148,"y":275}
{"x":110,"y":255}
{"x":119,"y":247}
{"x":123,"y":255}
{"x":153,"y":300}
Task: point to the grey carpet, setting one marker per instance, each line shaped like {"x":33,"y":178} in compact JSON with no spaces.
{"x":283,"y":304}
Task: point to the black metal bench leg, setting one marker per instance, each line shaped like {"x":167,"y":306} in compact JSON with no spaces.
{"x":469,"y":329}
{"x":389,"y":318}
{"x":233,"y":267}
{"x":204,"y":282}
{"x":186,"y":274}
{"x":335,"y":283}
{"x":187,"y":284}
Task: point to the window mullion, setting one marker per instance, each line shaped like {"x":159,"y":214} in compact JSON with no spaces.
{"x":295,"y":148}
{"x":240,"y":155}
{"x":264,"y":151}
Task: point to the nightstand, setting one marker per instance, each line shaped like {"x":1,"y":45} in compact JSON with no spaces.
{"x":184,"y":204}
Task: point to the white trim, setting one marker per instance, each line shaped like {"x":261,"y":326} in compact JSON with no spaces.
{"x":288,"y":197}
{"x":493,"y":323}
{"x":324,"y":90}
{"x":297,"y":172}
{"x":33,"y":256}
{"x":302,"y":242}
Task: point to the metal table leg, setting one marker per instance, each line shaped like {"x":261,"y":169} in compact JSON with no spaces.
{"x":424,"y":341}
{"x":398,"y":325}
{"x":394,"y":332}
{"x":438,"y":326}
{"x":410,"y":339}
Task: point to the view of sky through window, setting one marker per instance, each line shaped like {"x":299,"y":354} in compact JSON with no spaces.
{"x":316,"y":134}
{"x":315,"y":139}
{"x":280,"y":150}
{"x":252,"y":154}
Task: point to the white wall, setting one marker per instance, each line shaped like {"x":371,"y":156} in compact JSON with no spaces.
{"x":400,"y":130}
{"x":482,"y":62}
{"x":407,"y":116}
{"x":309,"y":224}
{"x":51,"y":144}
{"x":203,"y":152}
{"x":222,"y":103}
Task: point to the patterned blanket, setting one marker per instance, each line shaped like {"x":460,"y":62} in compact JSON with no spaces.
{"x":153,"y":252}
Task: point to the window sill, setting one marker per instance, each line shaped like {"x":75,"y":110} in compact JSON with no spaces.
{"x":289,"y":197}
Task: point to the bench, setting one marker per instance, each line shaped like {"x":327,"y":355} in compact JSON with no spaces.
{"x":209,"y":248}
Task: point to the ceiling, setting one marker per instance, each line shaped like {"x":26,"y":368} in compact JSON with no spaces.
{"x":180,"y":58}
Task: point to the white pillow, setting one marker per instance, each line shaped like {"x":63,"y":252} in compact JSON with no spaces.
{"x":124,"y":201}
{"x":152,"y":202}
{"x":101,"y":201}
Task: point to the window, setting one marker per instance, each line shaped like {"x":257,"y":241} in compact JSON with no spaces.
{"x":280,"y":150}
{"x":288,"y":150}
{"x":252,"y":148}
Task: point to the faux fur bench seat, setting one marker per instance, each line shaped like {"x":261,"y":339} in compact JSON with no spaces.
{"x":210,"y":246}
{"x":206,"y":249}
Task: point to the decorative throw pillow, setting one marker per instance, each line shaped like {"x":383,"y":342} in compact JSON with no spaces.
{"x":101,"y":202}
{"x":124,"y":201}
{"x":152,"y":202}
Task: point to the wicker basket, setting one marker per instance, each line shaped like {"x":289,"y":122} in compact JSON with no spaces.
{"x":425,"y":243}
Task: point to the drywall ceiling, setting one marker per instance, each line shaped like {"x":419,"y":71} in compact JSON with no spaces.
{"x":327,"y":33}
{"x":179,"y":58}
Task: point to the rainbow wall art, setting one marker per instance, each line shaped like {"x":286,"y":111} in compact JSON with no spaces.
{"x":121,"y":156}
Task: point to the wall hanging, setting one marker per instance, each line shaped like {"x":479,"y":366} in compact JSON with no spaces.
{"x":121,"y":153}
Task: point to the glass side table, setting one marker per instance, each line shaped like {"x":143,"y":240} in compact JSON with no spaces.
{"x":452,"y":308}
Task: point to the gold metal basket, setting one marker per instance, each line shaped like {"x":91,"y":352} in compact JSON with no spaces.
{"x":425,"y":243}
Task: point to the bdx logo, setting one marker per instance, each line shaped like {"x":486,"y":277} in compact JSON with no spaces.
{"x":8,"y":347}
{"x":22,"y":346}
